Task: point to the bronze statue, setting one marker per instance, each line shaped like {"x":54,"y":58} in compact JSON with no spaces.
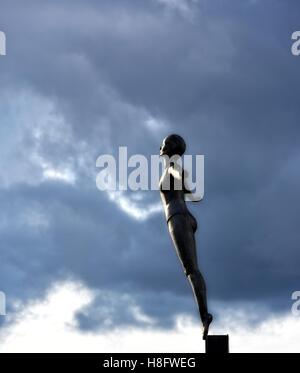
{"x":181,"y":223}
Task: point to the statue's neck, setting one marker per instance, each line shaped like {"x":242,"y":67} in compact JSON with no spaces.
{"x":166,"y":161}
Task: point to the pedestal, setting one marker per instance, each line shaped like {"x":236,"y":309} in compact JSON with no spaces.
{"x":217,"y":344}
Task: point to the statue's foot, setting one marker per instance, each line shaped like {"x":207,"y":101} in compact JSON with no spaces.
{"x":206,"y":322}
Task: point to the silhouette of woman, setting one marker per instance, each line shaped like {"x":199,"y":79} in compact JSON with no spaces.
{"x":181,"y":223}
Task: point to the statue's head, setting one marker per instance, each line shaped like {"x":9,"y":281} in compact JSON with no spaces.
{"x":172,"y":145}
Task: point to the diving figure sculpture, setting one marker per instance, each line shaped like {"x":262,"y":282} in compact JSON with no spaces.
{"x":181,"y":223}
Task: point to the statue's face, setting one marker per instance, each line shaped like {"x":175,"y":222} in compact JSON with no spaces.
{"x":171,"y":145}
{"x":166,"y":147}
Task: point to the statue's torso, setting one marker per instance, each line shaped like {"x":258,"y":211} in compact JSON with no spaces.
{"x":173,"y":200}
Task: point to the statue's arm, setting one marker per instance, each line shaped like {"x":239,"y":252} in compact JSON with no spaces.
{"x":176,"y":171}
{"x":193,"y":197}
{"x":179,"y":173}
{"x":189,"y":195}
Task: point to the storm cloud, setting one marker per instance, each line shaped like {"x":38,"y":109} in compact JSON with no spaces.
{"x":82,"y":78}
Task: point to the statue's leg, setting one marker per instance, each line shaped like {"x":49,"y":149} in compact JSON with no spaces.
{"x":183,"y":238}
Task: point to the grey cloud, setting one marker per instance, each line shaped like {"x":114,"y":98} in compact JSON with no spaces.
{"x":225,"y":79}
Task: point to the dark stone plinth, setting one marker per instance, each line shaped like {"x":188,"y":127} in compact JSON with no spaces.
{"x":217,"y":344}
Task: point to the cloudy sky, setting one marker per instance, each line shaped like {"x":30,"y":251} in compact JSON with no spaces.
{"x":85,"y":267}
